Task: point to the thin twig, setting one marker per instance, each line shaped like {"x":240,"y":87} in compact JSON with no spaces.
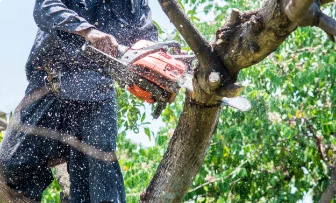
{"x":217,"y":179}
{"x":205,"y":184}
{"x":319,"y":144}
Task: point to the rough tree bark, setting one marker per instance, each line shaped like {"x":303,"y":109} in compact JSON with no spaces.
{"x":246,"y":39}
{"x":185,"y":153}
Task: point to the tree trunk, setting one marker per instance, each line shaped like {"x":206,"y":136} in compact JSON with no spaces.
{"x":330,"y":192}
{"x":185,"y":153}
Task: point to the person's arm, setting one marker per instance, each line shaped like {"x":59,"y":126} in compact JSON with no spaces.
{"x":53,"y":16}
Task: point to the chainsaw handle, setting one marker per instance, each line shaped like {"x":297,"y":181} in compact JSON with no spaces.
{"x":99,"y":56}
{"x":121,"y":49}
{"x":165,"y":46}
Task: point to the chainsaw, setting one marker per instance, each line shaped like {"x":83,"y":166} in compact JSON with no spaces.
{"x":153,"y":72}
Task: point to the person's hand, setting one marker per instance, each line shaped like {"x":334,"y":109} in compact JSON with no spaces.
{"x":102,"y":41}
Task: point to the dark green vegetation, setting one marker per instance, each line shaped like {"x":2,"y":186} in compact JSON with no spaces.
{"x":280,"y":150}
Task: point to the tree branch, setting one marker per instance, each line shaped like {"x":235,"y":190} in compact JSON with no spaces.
{"x":299,"y":11}
{"x":327,"y":24}
{"x":308,"y":13}
{"x":190,"y":33}
{"x":3,"y":123}
{"x":67,"y":139}
{"x":248,"y":37}
{"x":330,"y":191}
{"x":207,"y":57}
{"x":217,"y":179}
{"x":205,"y":184}
{"x":319,"y":144}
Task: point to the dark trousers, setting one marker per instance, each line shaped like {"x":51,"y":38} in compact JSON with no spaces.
{"x":24,"y":157}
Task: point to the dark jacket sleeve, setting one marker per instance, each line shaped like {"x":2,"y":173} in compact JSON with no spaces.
{"x":53,"y":15}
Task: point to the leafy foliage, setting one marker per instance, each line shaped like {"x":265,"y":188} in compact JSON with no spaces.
{"x":52,"y":193}
{"x":270,"y":154}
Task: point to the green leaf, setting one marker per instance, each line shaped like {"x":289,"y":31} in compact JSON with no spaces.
{"x":148,"y":133}
{"x":143,"y":117}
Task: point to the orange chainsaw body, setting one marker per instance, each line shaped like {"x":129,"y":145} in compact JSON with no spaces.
{"x":159,"y":68}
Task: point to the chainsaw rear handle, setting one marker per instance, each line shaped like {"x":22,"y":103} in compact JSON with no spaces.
{"x":165,"y":46}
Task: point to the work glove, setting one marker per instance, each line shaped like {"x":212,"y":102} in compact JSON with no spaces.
{"x":100,"y":40}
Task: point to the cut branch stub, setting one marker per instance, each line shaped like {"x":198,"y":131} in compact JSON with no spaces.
{"x":230,"y":90}
{"x":214,"y":80}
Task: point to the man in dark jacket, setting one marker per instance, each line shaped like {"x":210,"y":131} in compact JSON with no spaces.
{"x":67,"y":96}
